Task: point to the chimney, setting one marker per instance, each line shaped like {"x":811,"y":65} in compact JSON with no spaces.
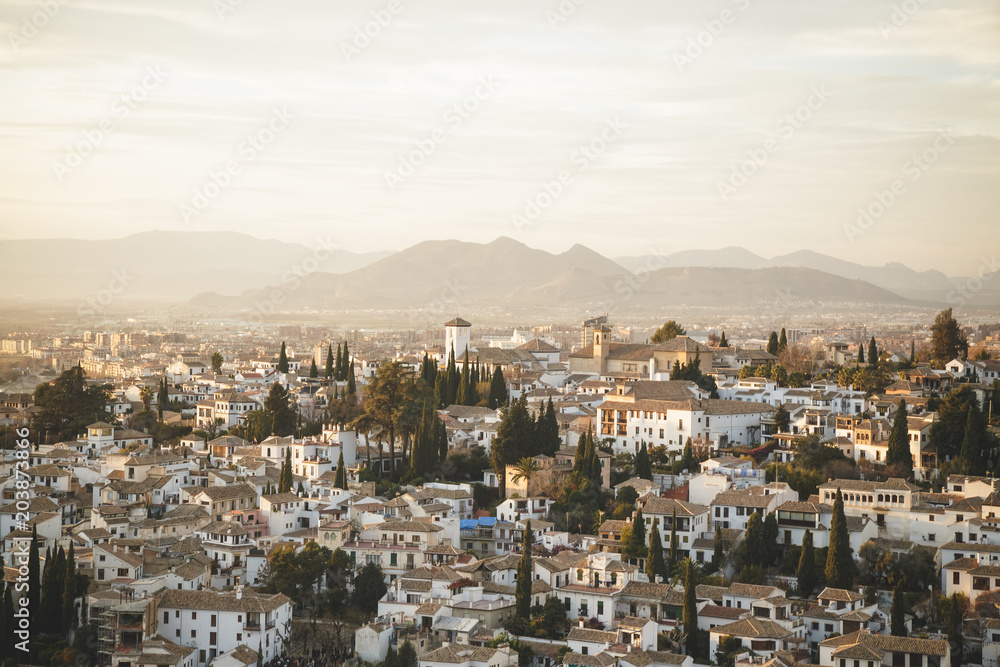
{"x":239,"y":591}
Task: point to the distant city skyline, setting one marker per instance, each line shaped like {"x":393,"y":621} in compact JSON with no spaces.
{"x":863,"y":131}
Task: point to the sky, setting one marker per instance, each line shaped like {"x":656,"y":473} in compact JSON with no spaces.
{"x":863,"y":129}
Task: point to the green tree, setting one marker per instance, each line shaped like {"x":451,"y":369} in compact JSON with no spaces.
{"x":522,"y":589}
{"x":897,"y":615}
{"x":34,"y":574}
{"x":782,"y":341}
{"x":69,"y":616}
{"x":861,"y":354}
{"x":346,"y":364}
{"x":839,"y":559}
{"x":718,"y":555}
{"x":328,"y":372}
{"x":279,"y":410}
{"x":782,"y":420}
{"x":668,"y":331}
{"x":971,"y":460}
{"x":514,"y":440}
{"x":872,"y":351}
{"x":340,"y":479}
{"x":898,"y":453}
{"x":547,"y":436}
{"x":722,"y":340}
{"x":407,"y":656}
{"x":948,"y":429}
{"x":393,"y":401}
{"x":313,"y":371}
{"x":672,"y":563}
{"x":216,"y":362}
{"x":643,"y":468}
{"x":772,"y":343}
{"x":947,"y":340}
{"x":67,"y":405}
{"x":771,"y":538}
{"x":635,"y":544}
{"x":655,"y":565}
{"x":754,"y":547}
{"x":282,"y":359}
{"x":690,"y":611}
{"x":498,"y":390}
{"x":369,"y":587}
{"x":285,"y":478}
{"x":806,"y":573}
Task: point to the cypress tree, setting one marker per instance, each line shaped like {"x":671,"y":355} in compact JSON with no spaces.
{"x":872,"y":352}
{"x":441,"y":390}
{"x":550,"y":441}
{"x":717,"y":554}
{"x":313,"y":371}
{"x":338,"y":367}
{"x":352,"y":388}
{"x":282,"y":359}
{"x":451,"y":380}
{"x":34,"y":571}
{"x":673,"y":541}
{"x":807,"y":566}
{"x":897,"y":618}
{"x":839,"y":560}
{"x":347,"y":366}
{"x":690,"y":613}
{"x":162,"y":400}
{"x":328,"y":372}
{"x":971,"y":456}
{"x":462,"y":395}
{"x":442,"y":439}
{"x":340,"y":480}
{"x":522,"y":589}
{"x":498,"y":390}
{"x":913,"y":351}
{"x":782,"y":341}
{"x":722,"y":340}
{"x":861,"y":354}
{"x":655,"y":567}
{"x":898,"y":451}
{"x":636,"y":547}
{"x":285,"y":480}
{"x":69,"y":592}
{"x":8,"y":624}
{"x":772,"y":343}
{"x":643,"y":467}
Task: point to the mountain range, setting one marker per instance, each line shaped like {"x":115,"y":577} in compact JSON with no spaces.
{"x":232,"y":272}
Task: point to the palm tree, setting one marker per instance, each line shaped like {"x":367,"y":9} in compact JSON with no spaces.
{"x":146,"y":394}
{"x":524,"y":470}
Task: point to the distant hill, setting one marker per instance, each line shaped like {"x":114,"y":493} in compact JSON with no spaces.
{"x":896,"y":277}
{"x":452,"y":275}
{"x":166,"y":267}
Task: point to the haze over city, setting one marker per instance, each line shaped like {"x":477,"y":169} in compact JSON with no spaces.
{"x":119,"y":111}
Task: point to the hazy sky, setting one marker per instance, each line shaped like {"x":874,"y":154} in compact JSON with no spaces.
{"x":116,"y":113}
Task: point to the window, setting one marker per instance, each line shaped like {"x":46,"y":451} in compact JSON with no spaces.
{"x":166,"y":617}
{"x":600,"y":607}
{"x":579,"y":575}
{"x":194,"y":633}
{"x":955,"y":578}
{"x":211,"y":640}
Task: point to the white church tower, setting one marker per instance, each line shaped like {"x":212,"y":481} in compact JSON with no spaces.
{"x":457,"y":335}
